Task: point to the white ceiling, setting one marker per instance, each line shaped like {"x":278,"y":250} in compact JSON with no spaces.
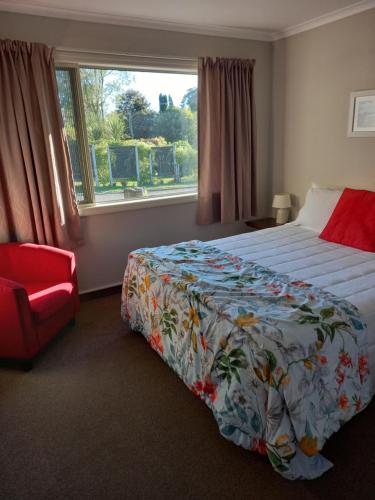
{"x":259,"y":19}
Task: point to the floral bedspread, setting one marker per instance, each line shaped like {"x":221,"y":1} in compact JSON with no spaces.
{"x":281,"y":364}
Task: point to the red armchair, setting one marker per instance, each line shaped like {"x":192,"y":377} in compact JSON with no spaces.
{"x":38,"y":297}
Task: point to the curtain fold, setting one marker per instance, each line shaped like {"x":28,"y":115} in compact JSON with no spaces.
{"x":226,"y":140}
{"x":37,"y":199}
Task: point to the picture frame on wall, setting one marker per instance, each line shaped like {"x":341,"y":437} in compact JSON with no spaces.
{"x":362,"y":114}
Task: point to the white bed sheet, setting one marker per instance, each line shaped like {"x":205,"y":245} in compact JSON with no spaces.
{"x":298,"y":252}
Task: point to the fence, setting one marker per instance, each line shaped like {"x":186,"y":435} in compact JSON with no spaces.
{"x":123,"y":163}
{"x":75,"y":159}
{"x":163,"y":164}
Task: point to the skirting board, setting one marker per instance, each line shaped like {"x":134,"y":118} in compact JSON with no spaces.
{"x":99,"y":288}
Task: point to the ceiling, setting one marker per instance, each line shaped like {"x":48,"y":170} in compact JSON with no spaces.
{"x":256,"y":19}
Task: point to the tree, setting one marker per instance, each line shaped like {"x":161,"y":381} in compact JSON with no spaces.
{"x":163,"y":103}
{"x":99,"y":86}
{"x":143,"y":124}
{"x":177,"y":124}
{"x":190,"y":99}
{"x":137,"y":114}
{"x":132,"y":101}
{"x":114,"y":127}
{"x":66,"y":102}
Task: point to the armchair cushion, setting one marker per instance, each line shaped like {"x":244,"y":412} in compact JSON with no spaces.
{"x":46,"y":302}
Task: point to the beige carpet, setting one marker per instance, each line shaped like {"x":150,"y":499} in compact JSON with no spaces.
{"x":102,"y":417}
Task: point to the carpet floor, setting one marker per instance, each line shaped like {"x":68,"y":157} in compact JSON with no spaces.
{"x":101,"y":416}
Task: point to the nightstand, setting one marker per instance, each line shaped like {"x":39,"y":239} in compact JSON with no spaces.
{"x":258,"y":224}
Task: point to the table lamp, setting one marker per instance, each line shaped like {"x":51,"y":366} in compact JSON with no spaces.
{"x":282,"y":202}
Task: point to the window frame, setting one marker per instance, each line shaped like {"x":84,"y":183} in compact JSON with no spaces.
{"x":73,"y":61}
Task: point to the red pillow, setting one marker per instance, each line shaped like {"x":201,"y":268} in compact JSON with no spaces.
{"x":352,"y":222}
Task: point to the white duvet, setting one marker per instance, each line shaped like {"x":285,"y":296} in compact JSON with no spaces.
{"x":294,"y":250}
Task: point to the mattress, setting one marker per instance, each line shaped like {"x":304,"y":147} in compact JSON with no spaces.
{"x":298,"y":252}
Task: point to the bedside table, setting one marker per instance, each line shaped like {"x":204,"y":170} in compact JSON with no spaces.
{"x":266,"y":223}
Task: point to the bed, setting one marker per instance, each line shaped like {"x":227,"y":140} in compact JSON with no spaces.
{"x":298,"y":252}
{"x":274,"y":330}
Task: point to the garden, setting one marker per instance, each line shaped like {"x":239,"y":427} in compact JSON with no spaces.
{"x":132,"y":144}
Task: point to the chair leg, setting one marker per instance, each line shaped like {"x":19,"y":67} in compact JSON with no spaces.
{"x":72,"y":322}
{"x":27,"y":365}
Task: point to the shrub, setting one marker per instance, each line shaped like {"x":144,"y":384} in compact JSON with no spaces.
{"x":177,"y":124}
{"x":144,"y":148}
{"x":102,"y":162}
{"x":187,"y":158}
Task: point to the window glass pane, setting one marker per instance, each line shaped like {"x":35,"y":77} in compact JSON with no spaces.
{"x":142,"y":132}
{"x":67,"y":108}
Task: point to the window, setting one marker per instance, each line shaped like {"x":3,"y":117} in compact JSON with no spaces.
{"x":132,"y":134}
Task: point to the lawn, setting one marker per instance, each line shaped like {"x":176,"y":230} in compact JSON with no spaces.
{"x":166,"y":183}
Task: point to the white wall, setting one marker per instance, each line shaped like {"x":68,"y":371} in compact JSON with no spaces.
{"x":314,"y":74}
{"x":108,"y":238}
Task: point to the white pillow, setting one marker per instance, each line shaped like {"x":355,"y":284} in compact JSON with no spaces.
{"x":318,"y":207}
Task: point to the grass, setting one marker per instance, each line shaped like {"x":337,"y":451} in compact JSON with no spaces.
{"x":167,"y":183}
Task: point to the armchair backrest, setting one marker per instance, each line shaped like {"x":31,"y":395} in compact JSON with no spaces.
{"x":23,"y":262}
{"x":5,"y":271}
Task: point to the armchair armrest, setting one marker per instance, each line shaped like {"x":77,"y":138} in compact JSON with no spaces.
{"x":31,"y":262}
{"x":7,"y":285}
{"x":17,"y":335}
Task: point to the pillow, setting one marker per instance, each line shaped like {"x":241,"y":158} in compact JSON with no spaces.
{"x":318,"y":207}
{"x":317,"y":185}
{"x":353,"y":220}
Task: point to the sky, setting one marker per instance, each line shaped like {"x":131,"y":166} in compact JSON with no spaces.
{"x":152,"y":84}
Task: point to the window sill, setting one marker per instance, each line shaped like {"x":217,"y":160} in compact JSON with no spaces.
{"x":108,"y":208}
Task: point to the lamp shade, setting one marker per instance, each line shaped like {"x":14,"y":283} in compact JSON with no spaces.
{"x":281,"y":200}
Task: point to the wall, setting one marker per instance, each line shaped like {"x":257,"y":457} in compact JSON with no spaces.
{"x":108,"y":238}
{"x":314,"y":73}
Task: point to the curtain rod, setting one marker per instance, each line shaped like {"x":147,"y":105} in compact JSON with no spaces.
{"x":69,"y":50}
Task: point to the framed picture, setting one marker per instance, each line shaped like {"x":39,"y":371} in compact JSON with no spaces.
{"x":362,"y":114}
